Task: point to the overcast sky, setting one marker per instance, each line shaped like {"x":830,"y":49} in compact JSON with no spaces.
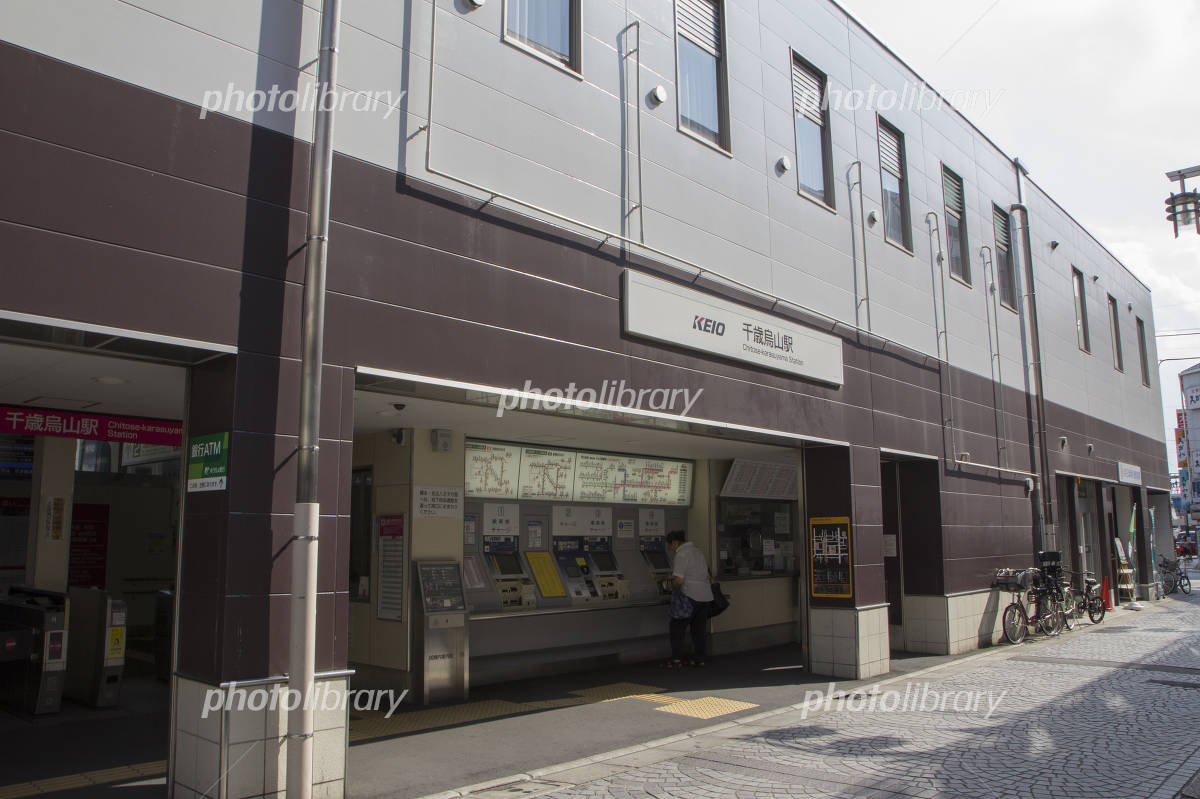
{"x":1095,"y":104}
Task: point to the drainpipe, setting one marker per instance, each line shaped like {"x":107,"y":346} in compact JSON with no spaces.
{"x":1041,"y":490}
{"x":303,"y":637}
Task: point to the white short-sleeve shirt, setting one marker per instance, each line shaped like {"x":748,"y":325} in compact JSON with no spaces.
{"x":690,"y":565}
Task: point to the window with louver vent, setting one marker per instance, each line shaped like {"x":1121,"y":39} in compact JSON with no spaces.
{"x":893,"y":174}
{"x":702,"y":105}
{"x":956,"y":226}
{"x":1004,"y":260}
{"x":813,"y":161}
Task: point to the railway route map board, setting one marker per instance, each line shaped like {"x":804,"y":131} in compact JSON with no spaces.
{"x":546,"y":474}
{"x":632,"y":480}
{"x":510,"y":471}
{"x":492,"y":470}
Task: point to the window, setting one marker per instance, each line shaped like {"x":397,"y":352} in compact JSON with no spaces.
{"x":1081,"y":323}
{"x":813,"y":163}
{"x":956,"y":226}
{"x":1004,"y":260}
{"x":1114,"y":322}
{"x":1143,"y":353}
{"x":701,"y":68}
{"x":548,"y":27}
{"x":893,"y":172}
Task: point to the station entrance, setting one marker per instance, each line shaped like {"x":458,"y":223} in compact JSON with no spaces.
{"x":90,"y":498}
{"x":558,"y":521}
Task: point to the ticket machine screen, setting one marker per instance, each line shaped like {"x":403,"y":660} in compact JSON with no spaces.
{"x":658,"y":560}
{"x":508,"y":565}
{"x":605,"y":562}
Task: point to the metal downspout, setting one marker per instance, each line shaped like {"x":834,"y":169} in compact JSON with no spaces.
{"x":938,"y":278}
{"x":1042,"y":509}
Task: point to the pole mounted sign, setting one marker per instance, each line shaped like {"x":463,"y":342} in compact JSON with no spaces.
{"x":208,"y":463}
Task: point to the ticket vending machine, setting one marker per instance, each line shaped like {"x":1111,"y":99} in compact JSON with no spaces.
{"x":440,"y":641}
{"x":576,"y":568}
{"x":503,"y":556}
{"x":609,"y":581}
{"x":654,"y":551}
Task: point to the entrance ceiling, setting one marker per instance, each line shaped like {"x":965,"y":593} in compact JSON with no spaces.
{"x":376,"y":412}
{"x":78,"y":381}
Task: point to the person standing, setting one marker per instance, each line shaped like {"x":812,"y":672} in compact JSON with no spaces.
{"x":690,"y":576}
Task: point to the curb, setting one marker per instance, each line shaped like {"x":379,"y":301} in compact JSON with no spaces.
{"x":994,"y":651}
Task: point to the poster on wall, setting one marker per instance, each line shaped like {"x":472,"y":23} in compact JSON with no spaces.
{"x":829,"y":545}
{"x":437,"y":502}
{"x":88,"y":564}
{"x":762,"y":480}
{"x":390,"y":536}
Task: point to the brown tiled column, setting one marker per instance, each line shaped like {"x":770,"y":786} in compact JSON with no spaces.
{"x":234,"y":589}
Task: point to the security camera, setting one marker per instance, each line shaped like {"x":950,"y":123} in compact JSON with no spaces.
{"x":398,"y":406}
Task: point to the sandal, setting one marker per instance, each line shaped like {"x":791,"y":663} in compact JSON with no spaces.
{"x":698,"y":663}
{"x":671,"y":663}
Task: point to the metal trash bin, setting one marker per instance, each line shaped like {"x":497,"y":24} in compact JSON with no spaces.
{"x":97,"y":658}
{"x":34,"y":683}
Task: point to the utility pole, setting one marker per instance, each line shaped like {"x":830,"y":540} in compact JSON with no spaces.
{"x":303,"y":631}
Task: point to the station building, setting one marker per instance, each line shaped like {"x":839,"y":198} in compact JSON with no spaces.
{"x":597,"y":271}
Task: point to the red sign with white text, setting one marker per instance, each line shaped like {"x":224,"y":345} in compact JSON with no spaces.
{"x":96,"y":427}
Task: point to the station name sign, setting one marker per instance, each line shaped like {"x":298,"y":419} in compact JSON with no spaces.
{"x":674,"y":314}
{"x":25,"y":421}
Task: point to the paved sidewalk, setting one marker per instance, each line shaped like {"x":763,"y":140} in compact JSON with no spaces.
{"x":1104,"y":712}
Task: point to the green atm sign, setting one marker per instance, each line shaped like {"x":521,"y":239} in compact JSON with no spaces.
{"x":208,"y":463}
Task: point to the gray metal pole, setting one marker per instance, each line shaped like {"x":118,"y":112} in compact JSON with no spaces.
{"x":303,"y":638}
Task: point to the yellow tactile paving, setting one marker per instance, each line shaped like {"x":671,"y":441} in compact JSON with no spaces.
{"x":708,"y":707}
{"x":616,"y":690}
{"x":660,"y":699}
{"x":84,"y":779}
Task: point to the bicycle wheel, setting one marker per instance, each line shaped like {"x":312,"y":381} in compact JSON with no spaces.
{"x":1185,"y":583}
{"x":1016,"y":623}
{"x":1069,"y":608}
{"x":1053,"y":620}
{"x":1096,"y":609}
{"x":1170,"y":583}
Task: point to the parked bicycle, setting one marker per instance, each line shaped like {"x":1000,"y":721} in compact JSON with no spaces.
{"x":1056,"y":583}
{"x":1088,"y":601}
{"x":1174,"y":576}
{"x":1045,"y":611}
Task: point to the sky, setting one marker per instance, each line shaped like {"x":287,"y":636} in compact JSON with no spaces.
{"x":1091,"y":99}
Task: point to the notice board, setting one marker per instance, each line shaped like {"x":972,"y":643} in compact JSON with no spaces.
{"x":830,"y":550}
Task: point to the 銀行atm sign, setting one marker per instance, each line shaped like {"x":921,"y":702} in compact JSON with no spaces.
{"x":208,"y":463}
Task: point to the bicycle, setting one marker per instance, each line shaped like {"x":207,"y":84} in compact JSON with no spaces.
{"x":1048,"y":616}
{"x":1089,"y":601}
{"x":1174,"y":577}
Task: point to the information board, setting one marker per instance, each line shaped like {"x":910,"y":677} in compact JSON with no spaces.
{"x":492,"y":469}
{"x":546,"y":474}
{"x":441,"y":586}
{"x":829,"y":543}
{"x":508,"y":471}
{"x":390,"y":593}
{"x":762,"y":480}
{"x":632,"y":480}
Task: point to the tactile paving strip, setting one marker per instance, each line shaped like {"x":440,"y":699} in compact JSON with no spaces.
{"x":708,"y":707}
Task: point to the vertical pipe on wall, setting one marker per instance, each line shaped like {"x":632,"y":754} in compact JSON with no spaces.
{"x":302,"y":640}
{"x":938,"y":277}
{"x":1040,"y":494}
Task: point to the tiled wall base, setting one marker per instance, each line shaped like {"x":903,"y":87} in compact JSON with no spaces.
{"x":256,"y":753}
{"x":849,"y":644}
{"x":941,"y":625}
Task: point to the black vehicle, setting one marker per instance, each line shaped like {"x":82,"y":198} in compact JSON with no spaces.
{"x":1174,"y":576}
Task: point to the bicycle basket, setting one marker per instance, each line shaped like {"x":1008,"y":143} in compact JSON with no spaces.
{"x":1050,"y":557}
{"x":1013,"y":580}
